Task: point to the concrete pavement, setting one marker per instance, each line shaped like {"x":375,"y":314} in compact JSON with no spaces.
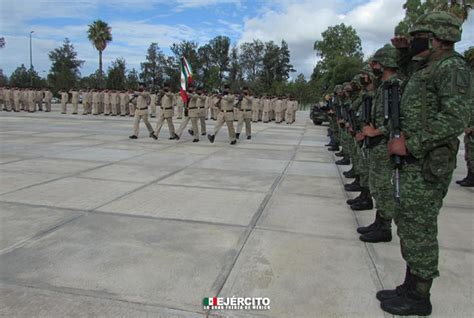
{"x":94,"y":224}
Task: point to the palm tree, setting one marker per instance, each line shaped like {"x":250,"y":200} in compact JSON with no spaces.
{"x":99,"y":34}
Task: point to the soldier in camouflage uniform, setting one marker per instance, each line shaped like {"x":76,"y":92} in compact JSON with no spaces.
{"x":364,"y":200}
{"x":434,"y":110}
{"x":468,"y":181}
{"x":384,"y":65}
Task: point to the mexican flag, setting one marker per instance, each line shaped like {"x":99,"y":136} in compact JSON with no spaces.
{"x":186,"y":79}
{"x":211,"y":301}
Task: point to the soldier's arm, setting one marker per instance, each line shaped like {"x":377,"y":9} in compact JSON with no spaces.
{"x":453,"y":85}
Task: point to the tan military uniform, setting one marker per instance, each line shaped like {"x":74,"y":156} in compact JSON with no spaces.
{"x":260,"y":109}
{"x":114,"y":103}
{"x":2,"y":98}
{"x":124,"y":100}
{"x":131,"y":106}
{"x":64,"y":100}
{"x":278,"y":110}
{"x":201,"y":104}
{"x":16,"y":99}
{"x":48,"y":97}
{"x":255,"y":109}
{"x":106,"y":103}
{"x":266,"y":110}
{"x":86,"y":102}
{"x":74,"y":101}
{"x":7,"y":96}
{"x":39,"y":99}
{"x":245,"y":115}
{"x":153,"y":102}
{"x":179,"y":106}
{"x":141,"y":112}
{"x":166,"y":113}
{"x":193,"y":116}
{"x":226,"y":115}
{"x":31,"y":100}
{"x":284,"y":104}
{"x":95,"y":103}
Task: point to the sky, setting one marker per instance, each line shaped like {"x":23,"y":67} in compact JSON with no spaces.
{"x":137,"y":23}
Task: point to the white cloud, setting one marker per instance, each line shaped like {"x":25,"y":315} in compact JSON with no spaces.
{"x":301,"y":23}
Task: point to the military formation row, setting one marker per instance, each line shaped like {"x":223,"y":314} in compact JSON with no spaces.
{"x":225,"y":108}
{"x":398,"y":122}
{"x":25,"y":99}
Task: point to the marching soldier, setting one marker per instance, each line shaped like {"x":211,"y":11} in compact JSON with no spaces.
{"x":74,"y":100}
{"x":106,"y":100}
{"x":64,"y":101}
{"x":179,"y":106}
{"x":7,"y":96}
{"x":192,"y":115}
{"x":141,"y":100}
{"x":153,"y":102}
{"x":245,"y":114}
{"x":114,"y":102}
{"x":167,"y":112}
{"x":226,"y":115}
{"x":95,"y":102}
{"x":31,"y":100}
{"x":255,"y":109}
{"x":124,"y":101}
{"x":48,"y":98}
{"x":16,"y":99}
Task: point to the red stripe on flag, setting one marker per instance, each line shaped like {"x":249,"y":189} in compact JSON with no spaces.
{"x":214,"y":301}
{"x":184,"y":96}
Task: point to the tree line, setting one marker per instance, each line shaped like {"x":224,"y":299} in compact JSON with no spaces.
{"x":262,"y":66}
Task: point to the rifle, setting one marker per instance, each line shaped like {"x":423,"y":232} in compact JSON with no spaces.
{"x":393,"y":112}
{"x":367,"y":119}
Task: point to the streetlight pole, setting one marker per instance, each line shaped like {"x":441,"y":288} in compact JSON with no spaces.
{"x":31,"y":61}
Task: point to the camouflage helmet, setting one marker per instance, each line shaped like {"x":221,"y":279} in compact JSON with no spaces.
{"x":444,"y":25}
{"x":387,"y":56}
{"x":338,"y":88}
{"x":355,"y":82}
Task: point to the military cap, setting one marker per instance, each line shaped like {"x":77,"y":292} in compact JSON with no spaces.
{"x":444,"y":25}
{"x":387,"y":56}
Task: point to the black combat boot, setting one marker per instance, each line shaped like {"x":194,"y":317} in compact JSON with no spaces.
{"x":211,"y":138}
{"x":339,"y":154}
{"x":350,"y":173}
{"x":354,"y":186}
{"x":383,"y":295}
{"x":365,"y":203}
{"x":381,"y":233}
{"x":334,"y":148}
{"x":237,"y":135}
{"x":415,"y":302}
{"x":344,"y":162}
{"x":362,"y":196}
{"x":370,"y":227}
{"x":467,"y":181}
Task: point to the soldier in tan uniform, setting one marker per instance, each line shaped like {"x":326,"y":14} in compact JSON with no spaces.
{"x":124,"y":100}
{"x":106,"y":102}
{"x":114,"y":102}
{"x":255,"y":109}
{"x":278,"y":110}
{"x":16,"y":99}
{"x":7,"y":96}
{"x":64,"y":100}
{"x":141,"y":99}
{"x":131,"y":106}
{"x":226,"y":115}
{"x":245,"y":114}
{"x":86,"y":101}
{"x":48,"y":97}
{"x":31,"y":100}
{"x":95,"y":102}
{"x":39,"y":99}
{"x":2,"y":98}
{"x":167,"y":112}
{"x":179,"y":106}
{"x":74,"y":100}
{"x":192,"y":115}
{"x":153,"y":102}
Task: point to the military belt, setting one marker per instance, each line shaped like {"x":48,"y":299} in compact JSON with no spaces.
{"x":143,"y":108}
{"x":193,"y":108}
{"x":166,"y":108}
{"x":227,"y":111}
{"x":246,"y":110}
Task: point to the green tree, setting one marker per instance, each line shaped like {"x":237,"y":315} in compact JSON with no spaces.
{"x":99,"y":34}
{"x":283,"y":67}
{"x":154,"y":67}
{"x":21,"y":78}
{"x":415,"y":8}
{"x":251,"y":59}
{"x":64,"y":72}
{"x":340,"y":53}
{"x":116,"y":74}
{"x":188,"y":49}
{"x":132,"y":79}
{"x":219,"y":55}
{"x":235,"y":69}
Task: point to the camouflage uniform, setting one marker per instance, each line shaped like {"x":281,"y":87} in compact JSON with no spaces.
{"x":434,"y":110}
